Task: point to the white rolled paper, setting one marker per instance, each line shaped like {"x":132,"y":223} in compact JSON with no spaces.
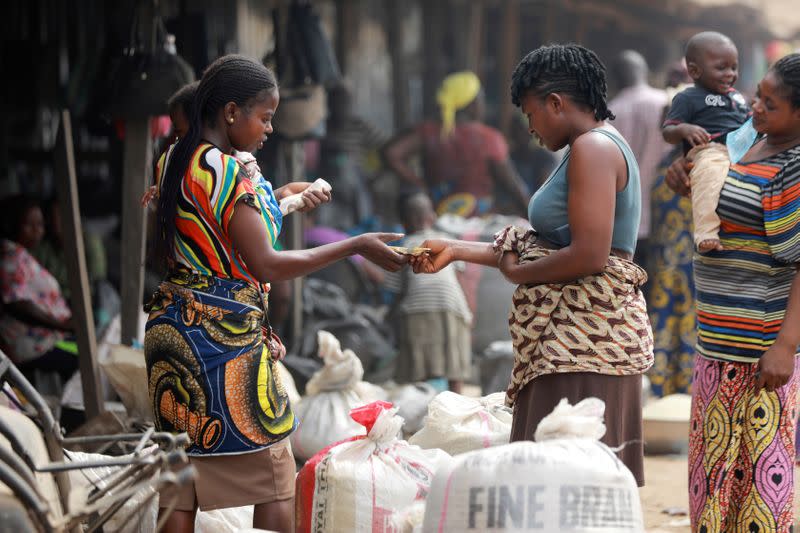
{"x":294,"y":202}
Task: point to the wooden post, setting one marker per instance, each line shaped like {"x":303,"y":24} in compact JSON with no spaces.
{"x":294,"y":160}
{"x":138,"y":158}
{"x":400,"y":97}
{"x":508,"y":58}
{"x":347,"y":27}
{"x":474,"y":43}
{"x":434,"y":23}
{"x":75,"y":257}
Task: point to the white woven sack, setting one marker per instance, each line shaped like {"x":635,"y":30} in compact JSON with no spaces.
{"x":569,"y":482}
{"x":324,"y":414}
{"x":361,"y":484}
{"x":458,"y":424}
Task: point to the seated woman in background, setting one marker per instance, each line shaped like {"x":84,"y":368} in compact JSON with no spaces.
{"x":35,"y":319}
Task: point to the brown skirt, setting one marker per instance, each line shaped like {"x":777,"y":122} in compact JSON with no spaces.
{"x":623,"y":398}
{"x":224,"y":481}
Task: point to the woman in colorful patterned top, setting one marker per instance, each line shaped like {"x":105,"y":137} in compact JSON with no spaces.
{"x":210,"y":352}
{"x":741,"y":447}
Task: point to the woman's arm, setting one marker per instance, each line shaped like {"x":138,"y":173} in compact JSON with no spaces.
{"x":592,"y":176}
{"x":312,"y":198}
{"x":397,"y":153}
{"x":445,"y":251}
{"x":677,"y":176}
{"x":250,"y":239}
{"x":777,"y":364}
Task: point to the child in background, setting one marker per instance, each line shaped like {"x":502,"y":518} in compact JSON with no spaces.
{"x":434,"y":320}
{"x":700,"y":117}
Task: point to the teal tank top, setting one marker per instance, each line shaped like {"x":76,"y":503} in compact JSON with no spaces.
{"x":547,"y":210}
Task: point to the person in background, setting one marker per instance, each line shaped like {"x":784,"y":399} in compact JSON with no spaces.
{"x":639,"y":111}
{"x":586,"y":220}
{"x":670,"y":289}
{"x":433,"y":326}
{"x":50,"y":251}
{"x":462,"y":158}
{"x":211,"y":355}
{"x":36,"y":321}
{"x":347,"y":152}
{"x":744,"y":396}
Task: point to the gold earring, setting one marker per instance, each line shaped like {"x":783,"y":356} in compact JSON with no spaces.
{"x":230,"y":120}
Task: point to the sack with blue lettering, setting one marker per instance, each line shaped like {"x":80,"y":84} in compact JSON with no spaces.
{"x":565,"y":481}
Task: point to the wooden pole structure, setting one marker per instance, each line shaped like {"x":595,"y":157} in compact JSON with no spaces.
{"x":474,"y":43}
{"x":137,"y":160}
{"x":400,"y":97}
{"x":434,"y":24}
{"x":67,"y":184}
{"x":347,"y":27}
{"x":508,"y":58}
{"x":137,"y":167}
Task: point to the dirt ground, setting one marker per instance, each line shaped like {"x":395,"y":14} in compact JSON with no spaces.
{"x":666,"y":488}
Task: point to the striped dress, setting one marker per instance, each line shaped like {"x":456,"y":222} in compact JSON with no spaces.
{"x":741,"y":450}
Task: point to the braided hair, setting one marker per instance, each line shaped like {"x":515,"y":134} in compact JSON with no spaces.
{"x":232,"y":78}
{"x":569,"y":69}
{"x":787,"y":69}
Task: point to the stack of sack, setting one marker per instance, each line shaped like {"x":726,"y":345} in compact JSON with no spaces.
{"x":335,"y":389}
{"x":458,"y":424}
{"x":565,"y":481}
{"x":358,"y":485}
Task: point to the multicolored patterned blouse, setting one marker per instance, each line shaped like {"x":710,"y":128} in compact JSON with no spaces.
{"x":742,"y":291}
{"x":211,"y":187}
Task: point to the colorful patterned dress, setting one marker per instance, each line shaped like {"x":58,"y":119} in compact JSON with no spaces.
{"x":670,"y":290}
{"x":210,"y":370}
{"x":741,"y":446}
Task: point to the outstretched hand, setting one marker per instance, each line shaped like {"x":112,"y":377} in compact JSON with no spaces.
{"x":440,"y":256}
{"x":373,"y":247}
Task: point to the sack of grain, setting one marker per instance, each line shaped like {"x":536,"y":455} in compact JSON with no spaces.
{"x":412,"y":400}
{"x":357,"y":485}
{"x":566,"y":481}
{"x":324,"y":414}
{"x":458,"y":424}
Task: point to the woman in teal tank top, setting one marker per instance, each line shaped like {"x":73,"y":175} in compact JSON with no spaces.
{"x":578,"y":321}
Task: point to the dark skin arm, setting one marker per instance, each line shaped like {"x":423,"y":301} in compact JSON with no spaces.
{"x":399,"y":151}
{"x":506,"y":175}
{"x":593,"y":175}
{"x":591,"y":203}
{"x":251,"y":240}
{"x":776,"y":366}
{"x":28,"y":312}
{"x":691,"y":133}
